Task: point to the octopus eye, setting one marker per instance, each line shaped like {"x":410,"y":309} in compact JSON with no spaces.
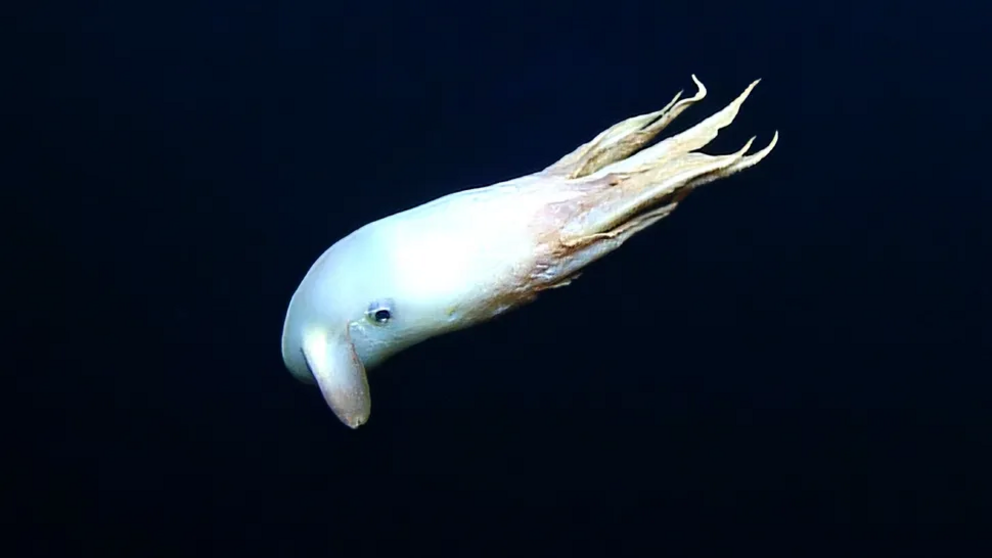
{"x":380,"y":313}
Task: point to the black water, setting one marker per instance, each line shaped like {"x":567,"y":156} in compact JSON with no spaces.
{"x":795,"y":363}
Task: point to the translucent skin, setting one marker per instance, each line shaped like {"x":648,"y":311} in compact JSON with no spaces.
{"x":466,"y":257}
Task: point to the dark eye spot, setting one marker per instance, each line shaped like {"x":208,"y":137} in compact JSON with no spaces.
{"x":382,"y":315}
{"x":380,"y":311}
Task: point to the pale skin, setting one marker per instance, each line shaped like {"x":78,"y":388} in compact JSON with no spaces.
{"x":467,"y":257}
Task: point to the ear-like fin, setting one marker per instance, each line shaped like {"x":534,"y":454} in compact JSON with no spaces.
{"x":339,"y":374}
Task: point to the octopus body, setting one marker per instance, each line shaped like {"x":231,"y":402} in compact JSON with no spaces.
{"x":467,"y":257}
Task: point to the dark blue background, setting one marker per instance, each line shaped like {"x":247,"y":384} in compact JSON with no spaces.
{"x":796,"y":362}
